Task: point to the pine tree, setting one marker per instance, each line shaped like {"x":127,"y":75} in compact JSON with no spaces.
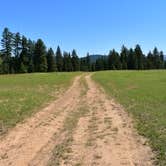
{"x":6,"y":43}
{"x":114,"y":60}
{"x":140,"y":57}
{"x":161,"y":60}
{"x":16,"y":44}
{"x":67,"y":62}
{"x":75,"y":61}
{"x":124,"y":57}
{"x":70,"y":66}
{"x":132,"y":61}
{"x":24,"y":59}
{"x":59,"y":59}
{"x":40,"y":60}
{"x":51,"y":61}
{"x":150,"y":61}
{"x":158,"y":58}
{"x":31,"y":48}
{"x":16,"y":50}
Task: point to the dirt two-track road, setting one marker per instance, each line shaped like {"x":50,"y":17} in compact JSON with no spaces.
{"x":82,"y":127}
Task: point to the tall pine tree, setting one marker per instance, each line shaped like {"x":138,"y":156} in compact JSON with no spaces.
{"x":6,"y":51}
{"x":24,"y":59}
{"x":124,"y":57}
{"x":75,"y":61}
{"x":51,"y":61}
{"x":140,"y":57}
{"x":59,"y":59}
{"x":40,"y":60}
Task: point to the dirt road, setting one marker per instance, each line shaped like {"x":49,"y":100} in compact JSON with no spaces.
{"x":83,"y":127}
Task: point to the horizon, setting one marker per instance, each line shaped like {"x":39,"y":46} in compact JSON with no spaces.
{"x":95,"y":27}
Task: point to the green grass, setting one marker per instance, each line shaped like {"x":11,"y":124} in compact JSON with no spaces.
{"x":142,"y":93}
{"x":21,"y":95}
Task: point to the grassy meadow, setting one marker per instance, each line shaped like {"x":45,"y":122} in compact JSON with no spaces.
{"x":143,"y":94}
{"x":23,"y":94}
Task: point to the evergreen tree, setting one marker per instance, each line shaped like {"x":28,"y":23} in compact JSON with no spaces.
{"x":140,"y":57}
{"x":16,"y":50}
{"x":59,"y":60}
{"x":31,"y":48}
{"x":6,"y":43}
{"x":124,"y":57}
{"x":51,"y":61}
{"x":40,"y":60}
{"x":114,"y":60}
{"x":75,"y":61}
{"x":132,"y":60}
{"x":156,"y":59}
{"x":24,"y":59}
{"x":16,"y":44}
{"x":161,"y":60}
{"x":150,"y":61}
{"x":67,"y":62}
{"x":70,"y":66}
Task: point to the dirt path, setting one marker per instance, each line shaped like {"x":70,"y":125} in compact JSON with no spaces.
{"x":82,"y":127}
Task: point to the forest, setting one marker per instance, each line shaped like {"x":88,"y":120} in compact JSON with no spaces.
{"x":20,"y":54}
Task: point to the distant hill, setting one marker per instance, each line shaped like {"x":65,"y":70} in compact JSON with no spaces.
{"x":94,"y":57}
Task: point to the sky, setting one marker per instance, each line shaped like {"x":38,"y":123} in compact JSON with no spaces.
{"x":94,"y":26}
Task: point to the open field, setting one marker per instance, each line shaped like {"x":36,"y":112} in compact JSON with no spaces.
{"x":21,"y":95}
{"x":81,"y":127}
{"x":143,"y":94}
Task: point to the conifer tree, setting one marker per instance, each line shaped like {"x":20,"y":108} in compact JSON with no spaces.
{"x":31,"y":48}
{"x":124,"y":57}
{"x":140,"y":57}
{"x":16,"y":50}
{"x":59,"y":59}
{"x":51,"y":61}
{"x":24,"y":59}
{"x":6,"y":51}
{"x":114,"y":60}
{"x":40,"y":60}
{"x":75,"y":61}
{"x":16,"y":44}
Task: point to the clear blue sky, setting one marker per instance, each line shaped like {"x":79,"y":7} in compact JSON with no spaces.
{"x":94,"y":26}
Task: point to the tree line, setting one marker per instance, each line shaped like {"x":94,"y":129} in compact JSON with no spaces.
{"x":22,"y":55}
{"x":131,"y":59}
